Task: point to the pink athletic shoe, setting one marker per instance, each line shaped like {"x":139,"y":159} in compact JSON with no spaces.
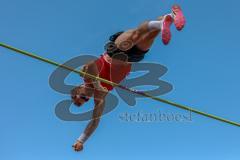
{"x":166,"y":33}
{"x":179,"y":19}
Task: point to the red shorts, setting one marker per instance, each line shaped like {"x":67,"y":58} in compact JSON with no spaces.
{"x":114,"y":71}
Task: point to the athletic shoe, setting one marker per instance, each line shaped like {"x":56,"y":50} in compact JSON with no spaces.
{"x":166,"y":33}
{"x":179,"y":19}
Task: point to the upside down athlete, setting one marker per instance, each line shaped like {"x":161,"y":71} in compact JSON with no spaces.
{"x":114,"y":65}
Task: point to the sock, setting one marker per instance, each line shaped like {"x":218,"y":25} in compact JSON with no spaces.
{"x":83,"y":138}
{"x":155,"y":25}
{"x":158,"y":24}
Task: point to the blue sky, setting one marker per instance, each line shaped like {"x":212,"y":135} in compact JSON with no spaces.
{"x":202,"y":61}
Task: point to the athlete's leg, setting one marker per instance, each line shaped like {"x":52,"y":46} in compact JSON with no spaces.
{"x":148,"y":39}
{"x":132,"y":37}
{"x":147,"y":31}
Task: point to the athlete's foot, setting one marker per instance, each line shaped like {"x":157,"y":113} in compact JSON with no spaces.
{"x":166,"y":32}
{"x":179,"y":19}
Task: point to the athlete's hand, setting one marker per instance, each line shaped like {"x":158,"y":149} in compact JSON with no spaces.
{"x":78,"y":146}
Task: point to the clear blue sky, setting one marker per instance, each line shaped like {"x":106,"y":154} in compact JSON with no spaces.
{"x":202,"y":61}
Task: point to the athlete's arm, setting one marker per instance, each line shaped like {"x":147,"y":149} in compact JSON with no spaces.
{"x":99,"y":99}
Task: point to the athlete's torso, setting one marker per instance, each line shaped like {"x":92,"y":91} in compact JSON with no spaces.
{"x":112,"y":70}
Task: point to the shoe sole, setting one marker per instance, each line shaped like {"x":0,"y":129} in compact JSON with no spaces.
{"x":179,"y":19}
{"x":166,"y":33}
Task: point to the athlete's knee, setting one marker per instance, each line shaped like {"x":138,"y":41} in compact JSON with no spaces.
{"x":143,"y":26}
{"x":151,"y":35}
{"x":143,"y":30}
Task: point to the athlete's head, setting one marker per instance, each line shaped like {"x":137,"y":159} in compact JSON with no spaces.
{"x":79,"y":96}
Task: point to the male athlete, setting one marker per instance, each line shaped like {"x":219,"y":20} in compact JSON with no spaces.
{"x":114,"y":65}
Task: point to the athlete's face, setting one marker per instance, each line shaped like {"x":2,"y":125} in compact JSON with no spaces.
{"x":79,"y":96}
